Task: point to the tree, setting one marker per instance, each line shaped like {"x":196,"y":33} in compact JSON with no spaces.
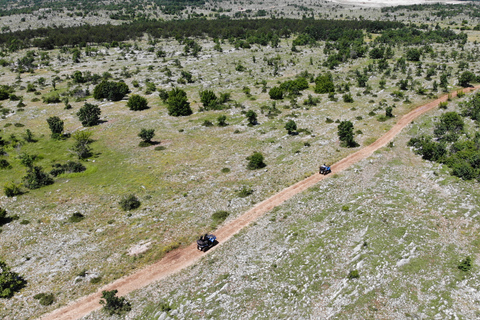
{"x":388,"y":112}
{"x":345,"y":133}
{"x":10,"y":282}
{"x":444,"y":81}
{"x":251,"y":117}
{"x":81,"y":146}
{"x":451,"y":123}
{"x":290,"y":126}
{"x":113,"y":304}
{"x":177,"y":103}
{"x":89,"y":114}
{"x":465,"y":78}
{"x":137,"y":103}
{"x":56,"y":126}
{"x":414,"y":54}
{"x":324,"y":83}
{"x":256,"y":161}
{"x":147,"y":135}
{"x":110,"y":90}
{"x":276,"y":93}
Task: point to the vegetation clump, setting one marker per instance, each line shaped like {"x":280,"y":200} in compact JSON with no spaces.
{"x":110,"y":90}
{"x":69,"y":167}
{"x":137,"y":103}
{"x":89,"y":115}
{"x":114,"y":305}
{"x":45,"y":299}
{"x":10,"y":282}
{"x":256,"y":161}
{"x":129,"y":202}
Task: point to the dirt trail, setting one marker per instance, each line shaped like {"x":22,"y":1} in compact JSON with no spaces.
{"x":179,"y":259}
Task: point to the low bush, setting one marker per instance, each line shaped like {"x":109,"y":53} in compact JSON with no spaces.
{"x":129,"y":202}
{"x":113,"y":304}
{"x":466,"y":265}
{"x":256,"y":161}
{"x":218,"y":217}
{"x":353,"y":275}
{"x":69,"y":167}
{"x":244,"y":192}
{"x":11,"y":189}
{"x":45,"y":299}
{"x":76,"y":217}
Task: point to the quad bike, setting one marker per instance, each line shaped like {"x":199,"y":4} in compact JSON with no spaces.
{"x":324,"y":169}
{"x":206,"y":242}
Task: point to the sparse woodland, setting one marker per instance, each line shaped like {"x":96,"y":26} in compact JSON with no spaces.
{"x":162,"y":120}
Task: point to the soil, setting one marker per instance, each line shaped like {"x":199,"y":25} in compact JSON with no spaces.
{"x":179,"y":259}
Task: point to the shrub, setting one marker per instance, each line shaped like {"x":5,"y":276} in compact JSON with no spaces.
{"x":110,"y":90}
{"x":113,"y":304}
{"x":69,"y":167}
{"x":207,"y":123}
{"x":51,"y":98}
{"x":244,"y":192}
{"x":256,"y":161}
{"x":95,"y":280}
{"x":4,"y":164}
{"x":276,"y":93}
{"x":11,"y":189}
{"x":89,"y":115}
{"x":219,"y":216}
{"x":466,"y":265}
{"x":465,"y":78}
{"x":353,"y":275}
{"x":225,"y":170}
{"x":76,"y":217}
{"x":222,"y":121}
{"x":129,"y":202}
{"x":209,"y":100}
{"x":345,"y":133}
{"x":37,"y":178}
{"x":177,"y":103}
{"x":324,"y":84}
{"x":45,"y":299}
{"x":347,"y":98}
{"x":137,"y":103}
{"x":10,"y":282}
{"x":159,"y":148}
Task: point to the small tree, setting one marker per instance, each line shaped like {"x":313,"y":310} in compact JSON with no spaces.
{"x":177,"y":103}
{"x":110,"y":90}
{"x":388,"y":112}
{"x":147,"y":135}
{"x":345,"y":133}
{"x":89,"y":115}
{"x":251,"y":117}
{"x":10,"y":282}
{"x":137,"y":103}
{"x":113,"y":304}
{"x":81,"y":147}
{"x":290,"y":126}
{"x":56,"y":126}
{"x":256,"y":161}
{"x":465,"y":78}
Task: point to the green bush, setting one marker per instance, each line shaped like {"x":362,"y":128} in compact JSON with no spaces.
{"x":256,"y":161}
{"x":113,"y":304}
{"x":129,"y":202}
{"x":76,"y":217}
{"x":95,"y":280}
{"x":276,"y":93}
{"x":466,"y":265}
{"x":11,"y":189}
{"x":45,"y":299}
{"x":56,"y":127}
{"x":225,"y":170}
{"x":110,"y":90}
{"x":51,"y":98}
{"x":244,"y":192}
{"x":147,"y":135}
{"x":4,"y":164}
{"x":219,"y":216}
{"x":69,"y":167}
{"x":353,"y":275}
{"x":137,"y":103}
{"x":36,"y":178}
{"x":10,"y":282}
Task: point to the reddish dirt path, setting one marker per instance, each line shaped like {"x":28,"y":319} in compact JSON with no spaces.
{"x":179,"y":259}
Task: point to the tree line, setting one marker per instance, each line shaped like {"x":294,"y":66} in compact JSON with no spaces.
{"x":254,"y":30}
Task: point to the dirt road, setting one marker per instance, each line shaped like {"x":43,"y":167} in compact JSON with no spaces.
{"x":179,"y":259}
